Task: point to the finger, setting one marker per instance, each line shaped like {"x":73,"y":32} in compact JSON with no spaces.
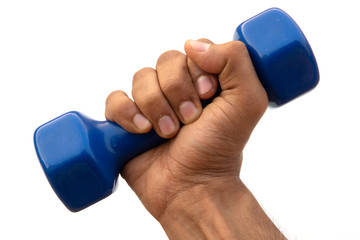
{"x":177,"y":85}
{"x":231,"y":60}
{"x":241,"y":88}
{"x":152,"y":103}
{"x":205,"y":83}
{"x":122,"y":110}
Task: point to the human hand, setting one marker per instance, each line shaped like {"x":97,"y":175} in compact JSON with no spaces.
{"x":200,"y":164}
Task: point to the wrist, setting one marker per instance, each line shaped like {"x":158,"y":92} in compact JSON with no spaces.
{"x":222,"y":209}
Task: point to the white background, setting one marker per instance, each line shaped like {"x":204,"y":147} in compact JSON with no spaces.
{"x":302,"y":162}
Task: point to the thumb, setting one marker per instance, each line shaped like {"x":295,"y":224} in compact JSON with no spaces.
{"x":231,"y":61}
{"x":237,"y":76}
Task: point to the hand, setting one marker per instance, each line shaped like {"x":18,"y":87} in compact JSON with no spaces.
{"x":198,"y":168}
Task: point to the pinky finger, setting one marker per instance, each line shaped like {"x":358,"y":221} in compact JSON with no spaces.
{"x":122,"y":110}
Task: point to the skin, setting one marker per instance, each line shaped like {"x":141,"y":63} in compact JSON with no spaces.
{"x":191,"y":183}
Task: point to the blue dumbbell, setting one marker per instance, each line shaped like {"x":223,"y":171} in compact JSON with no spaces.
{"x":82,"y":157}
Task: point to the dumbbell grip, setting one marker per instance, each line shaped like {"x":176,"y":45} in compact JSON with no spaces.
{"x":120,"y":145}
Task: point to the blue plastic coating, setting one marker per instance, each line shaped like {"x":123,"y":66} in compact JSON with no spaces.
{"x":281,"y":55}
{"x":82,"y":157}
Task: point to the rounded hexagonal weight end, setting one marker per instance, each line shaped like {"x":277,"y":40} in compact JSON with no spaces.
{"x":64,"y":151}
{"x":281,"y":55}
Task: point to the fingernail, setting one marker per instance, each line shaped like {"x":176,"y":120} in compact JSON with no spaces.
{"x":141,"y":121}
{"x":188,"y":111}
{"x":204,"y":84}
{"x":199,"y":46}
{"x":166,"y":125}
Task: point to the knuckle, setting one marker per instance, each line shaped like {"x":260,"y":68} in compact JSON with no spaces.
{"x":205,"y":40}
{"x":172,"y":86}
{"x":146,"y":98}
{"x":113,"y":95}
{"x":141,"y":78}
{"x":141,"y":91}
{"x":116,"y":102}
{"x":169,"y":56}
{"x":152,"y":101}
{"x":257,"y":102}
{"x":263,"y":103}
{"x":238,"y":47}
{"x":150,"y":105}
{"x":142,"y":73}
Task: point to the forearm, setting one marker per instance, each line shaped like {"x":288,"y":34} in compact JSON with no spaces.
{"x":217,"y":212}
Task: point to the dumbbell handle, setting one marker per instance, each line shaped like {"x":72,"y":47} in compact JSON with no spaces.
{"x":119,"y":145}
